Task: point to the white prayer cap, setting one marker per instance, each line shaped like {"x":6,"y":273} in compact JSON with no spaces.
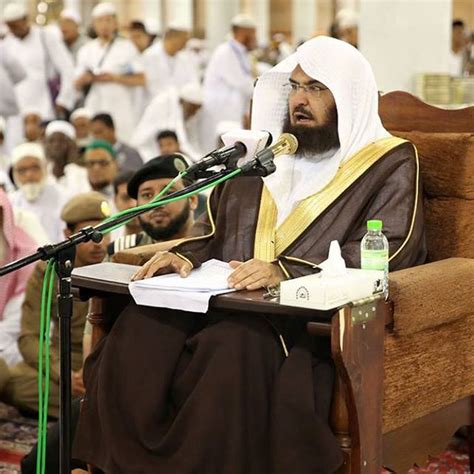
{"x":104,"y":9}
{"x":3,"y":124}
{"x":243,"y":21}
{"x":27,"y":149}
{"x":82,"y":112}
{"x":71,"y":14}
{"x":14,"y":11}
{"x":152,"y":26}
{"x":178,"y":26}
{"x":192,"y":92}
{"x":60,"y":126}
{"x":347,"y":18}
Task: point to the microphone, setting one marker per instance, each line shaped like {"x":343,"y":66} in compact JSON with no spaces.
{"x":218,"y":157}
{"x":239,"y":146}
{"x":287,"y":144}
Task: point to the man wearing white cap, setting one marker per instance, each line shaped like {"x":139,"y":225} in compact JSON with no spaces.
{"x":165,"y":63}
{"x":62,"y":156}
{"x":228,"y":82}
{"x":70,"y":23}
{"x":347,"y":24}
{"x":177,"y":110}
{"x":34,"y":193}
{"x":40,"y":53}
{"x":32,"y":124}
{"x":108,"y":71}
{"x":246,"y":393}
{"x":81,"y":121}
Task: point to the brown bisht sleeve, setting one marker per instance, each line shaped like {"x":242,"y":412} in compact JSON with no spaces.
{"x":398,"y":203}
{"x":197,"y":249}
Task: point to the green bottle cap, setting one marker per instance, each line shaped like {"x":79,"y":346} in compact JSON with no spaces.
{"x":374,"y":225}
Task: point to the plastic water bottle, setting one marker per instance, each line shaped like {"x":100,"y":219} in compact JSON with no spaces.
{"x":374,"y":251}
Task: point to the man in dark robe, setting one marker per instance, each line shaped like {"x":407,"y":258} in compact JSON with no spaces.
{"x":171,"y":392}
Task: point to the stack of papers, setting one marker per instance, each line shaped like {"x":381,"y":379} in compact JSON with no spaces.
{"x":187,"y":294}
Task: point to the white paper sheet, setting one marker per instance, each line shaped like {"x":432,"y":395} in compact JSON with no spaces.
{"x":186,"y":294}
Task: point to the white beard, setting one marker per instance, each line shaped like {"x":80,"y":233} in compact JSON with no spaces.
{"x":32,"y":191}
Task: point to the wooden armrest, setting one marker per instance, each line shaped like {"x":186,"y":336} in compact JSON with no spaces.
{"x":433,"y":294}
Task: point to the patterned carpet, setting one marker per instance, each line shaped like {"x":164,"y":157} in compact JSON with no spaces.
{"x":18,"y":435}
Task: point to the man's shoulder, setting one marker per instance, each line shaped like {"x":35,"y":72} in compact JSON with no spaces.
{"x":129,"y":241}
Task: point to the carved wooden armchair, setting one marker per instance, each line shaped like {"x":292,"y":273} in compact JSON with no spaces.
{"x":405,"y":369}
{"x":428,"y":385}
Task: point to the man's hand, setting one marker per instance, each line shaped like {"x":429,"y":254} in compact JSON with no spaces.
{"x":254,"y":274}
{"x":77,"y":384}
{"x":161,"y":263}
{"x":84,"y":80}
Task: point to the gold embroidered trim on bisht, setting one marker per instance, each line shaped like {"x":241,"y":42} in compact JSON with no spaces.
{"x":270,"y":243}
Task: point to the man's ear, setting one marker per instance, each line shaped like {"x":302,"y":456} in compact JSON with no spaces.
{"x":193,"y":202}
{"x":67,"y":233}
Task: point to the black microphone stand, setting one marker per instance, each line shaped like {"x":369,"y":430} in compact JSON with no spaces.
{"x":64,"y":253}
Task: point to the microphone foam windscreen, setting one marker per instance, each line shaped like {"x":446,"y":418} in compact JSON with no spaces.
{"x":254,"y":140}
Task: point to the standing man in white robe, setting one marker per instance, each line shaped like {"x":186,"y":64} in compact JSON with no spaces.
{"x":166,"y":65}
{"x":110,"y":66}
{"x":174,"y":110}
{"x":228,"y":84}
{"x":70,"y":26}
{"x":43,"y":57}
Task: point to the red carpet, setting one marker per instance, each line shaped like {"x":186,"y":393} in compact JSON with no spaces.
{"x":18,"y":435}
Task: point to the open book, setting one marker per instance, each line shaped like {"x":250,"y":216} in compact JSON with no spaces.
{"x":187,"y":294}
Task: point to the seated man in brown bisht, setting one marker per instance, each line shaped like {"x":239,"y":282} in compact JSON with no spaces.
{"x":171,"y":392}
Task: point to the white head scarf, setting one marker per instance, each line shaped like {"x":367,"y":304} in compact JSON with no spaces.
{"x":348,"y":75}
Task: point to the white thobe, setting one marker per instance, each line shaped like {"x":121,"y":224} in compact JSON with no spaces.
{"x":40,"y":53}
{"x":228,"y":88}
{"x":164,"y":71}
{"x":47,"y":209}
{"x":10,"y":323}
{"x":74,"y":181}
{"x":456,"y":63}
{"x":110,"y":97}
{"x":165,"y":113}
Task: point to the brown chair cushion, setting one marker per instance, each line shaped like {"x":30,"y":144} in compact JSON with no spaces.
{"x":446,"y":162}
{"x":430,"y":295}
{"x":427,"y":371}
{"x":449,"y":224}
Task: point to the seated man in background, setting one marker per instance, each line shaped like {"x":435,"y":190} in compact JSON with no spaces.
{"x":170,"y":222}
{"x":15,"y":243}
{"x":167,"y":141}
{"x":81,"y":121}
{"x":21,"y":390}
{"x":102,"y":168}
{"x":35,"y":194}
{"x":103,"y":128}
{"x":122,"y":202}
{"x":63,"y":157}
{"x":33,"y":125}
{"x":232,"y":393}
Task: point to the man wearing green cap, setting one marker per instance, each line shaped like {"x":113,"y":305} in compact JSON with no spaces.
{"x":102,"y":169}
{"x":21,"y":390}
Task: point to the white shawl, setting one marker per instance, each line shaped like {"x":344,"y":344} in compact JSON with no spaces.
{"x":349,"y":76}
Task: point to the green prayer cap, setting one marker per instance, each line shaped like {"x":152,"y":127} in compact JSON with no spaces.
{"x":95,"y":144}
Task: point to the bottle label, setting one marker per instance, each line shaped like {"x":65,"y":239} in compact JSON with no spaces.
{"x":374,"y":260}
